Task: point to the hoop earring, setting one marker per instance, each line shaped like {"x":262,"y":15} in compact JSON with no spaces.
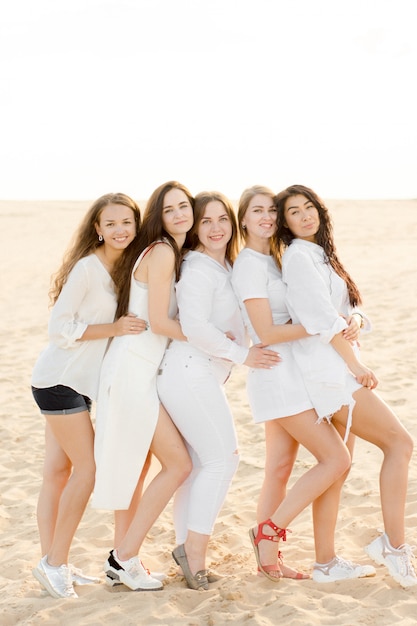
{"x":244,"y":226}
{"x":100,"y":238}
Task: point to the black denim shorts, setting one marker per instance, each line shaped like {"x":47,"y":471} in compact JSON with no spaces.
{"x":60,"y":400}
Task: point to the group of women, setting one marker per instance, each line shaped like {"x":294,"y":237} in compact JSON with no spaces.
{"x":149,"y":317}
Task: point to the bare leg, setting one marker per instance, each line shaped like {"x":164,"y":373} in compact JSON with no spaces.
{"x":280,"y":454}
{"x":325,"y":511}
{"x":168,"y":447}
{"x":74,"y":434}
{"x":374,"y":421}
{"x":56,"y":473}
{"x":333,"y":460}
{"x":123,"y":518}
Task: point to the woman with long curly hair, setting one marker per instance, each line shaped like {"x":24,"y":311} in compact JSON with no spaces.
{"x":66,"y":375}
{"x":341,"y":388}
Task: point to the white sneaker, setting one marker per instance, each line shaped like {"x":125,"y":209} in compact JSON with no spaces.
{"x":399,"y":561}
{"x":340,"y":569}
{"x":131,"y":573}
{"x":56,"y":580}
{"x":111,"y":581}
{"x":79,"y":578}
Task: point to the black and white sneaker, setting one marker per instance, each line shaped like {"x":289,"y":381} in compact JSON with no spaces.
{"x":112,"y":580}
{"x":130,"y":573}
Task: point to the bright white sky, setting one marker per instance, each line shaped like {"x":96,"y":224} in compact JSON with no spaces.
{"x":122,"y":95}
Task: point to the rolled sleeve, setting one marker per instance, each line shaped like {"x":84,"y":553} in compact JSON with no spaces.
{"x":308,"y":297}
{"x":65,"y":327}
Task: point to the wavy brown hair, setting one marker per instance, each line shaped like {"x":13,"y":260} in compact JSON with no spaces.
{"x":201,"y":201}
{"x":323,"y":238}
{"x":244,"y":201}
{"x":152,"y":229}
{"x":85,"y":239}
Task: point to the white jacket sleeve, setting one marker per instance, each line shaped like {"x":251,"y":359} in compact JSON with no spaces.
{"x":308,"y":297}
{"x":196,"y":292}
{"x":65,"y":327}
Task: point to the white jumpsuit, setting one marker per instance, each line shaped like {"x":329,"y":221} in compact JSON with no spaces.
{"x":190,"y":387}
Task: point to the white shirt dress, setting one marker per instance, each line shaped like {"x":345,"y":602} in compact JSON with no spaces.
{"x":317,"y":298}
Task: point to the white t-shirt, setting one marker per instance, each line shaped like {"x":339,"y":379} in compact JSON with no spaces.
{"x":256,"y":275}
{"x":86,"y":298}
{"x":280,"y":391}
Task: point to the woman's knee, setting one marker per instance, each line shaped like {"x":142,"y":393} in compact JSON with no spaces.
{"x":57,"y":474}
{"x":186,"y":469}
{"x":85,"y":474}
{"x":341,"y":463}
{"x":222,"y":467}
{"x":402,"y":444}
{"x":279,"y":471}
{"x":182,"y":467}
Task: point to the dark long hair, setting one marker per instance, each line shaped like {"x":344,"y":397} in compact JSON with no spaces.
{"x":152,"y":229}
{"x":324,"y":236}
{"x":201,"y":201}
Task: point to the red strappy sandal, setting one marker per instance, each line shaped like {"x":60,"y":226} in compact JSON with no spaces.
{"x":281,"y":533}
{"x":292,"y":574}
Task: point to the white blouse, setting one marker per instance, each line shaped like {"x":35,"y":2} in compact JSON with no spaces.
{"x":208,"y":308}
{"x":86,"y":298}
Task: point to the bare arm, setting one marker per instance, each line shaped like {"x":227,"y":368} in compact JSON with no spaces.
{"x":126,"y":325}
{"x":160,"y":267}
{"x":363,"y":374}
{"x":260,"y":315}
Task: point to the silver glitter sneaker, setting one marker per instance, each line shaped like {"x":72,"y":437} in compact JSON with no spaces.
{"x":340,"y":569}
{"x":399,"y":561}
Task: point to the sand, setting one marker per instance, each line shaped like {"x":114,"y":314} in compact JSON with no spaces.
{"x":377,"y":242}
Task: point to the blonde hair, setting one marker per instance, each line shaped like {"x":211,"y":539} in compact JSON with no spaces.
{"x":245,"y":199}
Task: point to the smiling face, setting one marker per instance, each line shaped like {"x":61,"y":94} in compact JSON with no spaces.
{"x":301,"y":217}
{"x":214,"y":230}
{"x":177,"y":214}
{"x":260,"y":219}
{"x":117,"y":226}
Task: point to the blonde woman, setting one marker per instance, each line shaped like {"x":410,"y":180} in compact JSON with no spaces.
{"x":279,"y":399}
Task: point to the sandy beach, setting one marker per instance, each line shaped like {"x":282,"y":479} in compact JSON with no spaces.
{"x":377,"y":242}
